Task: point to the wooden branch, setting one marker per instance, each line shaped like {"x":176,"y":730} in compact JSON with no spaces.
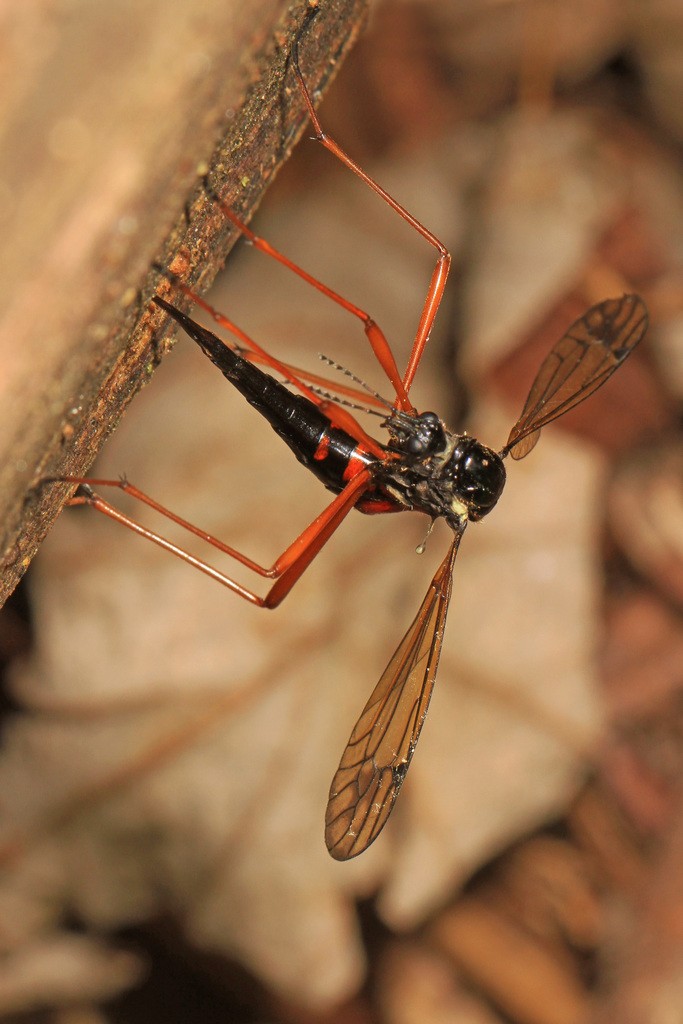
{"x":109,"y":129}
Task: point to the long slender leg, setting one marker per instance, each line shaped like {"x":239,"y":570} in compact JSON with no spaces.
{"x":337,"y":415}
{"x":443,"y":263}
{"x":378,"y":342}
{"x":285,"y":570}
{"x":255,"y":354}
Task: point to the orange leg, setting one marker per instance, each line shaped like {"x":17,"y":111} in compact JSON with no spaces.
{"x":443,"y":263}
{"x":285,"y":570}
{"x":378,"y":342}
{"x":302,"y":380}
{"x":295,"y":374}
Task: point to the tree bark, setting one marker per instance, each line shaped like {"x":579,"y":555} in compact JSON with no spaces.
{"x":112,"y":116}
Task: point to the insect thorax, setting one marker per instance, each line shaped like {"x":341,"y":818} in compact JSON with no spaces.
{"x":447,"y":475}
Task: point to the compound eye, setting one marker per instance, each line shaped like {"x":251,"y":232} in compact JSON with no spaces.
{"x":428,"y":437}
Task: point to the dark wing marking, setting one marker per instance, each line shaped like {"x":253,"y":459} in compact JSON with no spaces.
{"x":580,"y":362}
{"x":378,"y":754}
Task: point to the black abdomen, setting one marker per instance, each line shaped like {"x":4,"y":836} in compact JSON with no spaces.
{"x":326,"y":450}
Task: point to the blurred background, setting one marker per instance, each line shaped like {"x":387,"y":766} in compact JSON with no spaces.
{"x":168,"y":749}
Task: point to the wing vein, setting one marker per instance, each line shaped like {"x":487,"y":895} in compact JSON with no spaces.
{"x":376,"y":758}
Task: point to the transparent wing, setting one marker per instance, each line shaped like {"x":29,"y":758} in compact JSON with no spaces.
{"x":580,"y":362}
{"x":376,"y":759}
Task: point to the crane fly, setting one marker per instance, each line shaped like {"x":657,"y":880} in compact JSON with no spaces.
{"x":422,"y":466}
{"x":381,"y":746}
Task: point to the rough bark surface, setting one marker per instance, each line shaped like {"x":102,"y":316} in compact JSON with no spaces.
{"x":111,"y":118}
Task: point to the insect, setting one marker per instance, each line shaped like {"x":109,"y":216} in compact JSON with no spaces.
{"x":422,"y":466}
